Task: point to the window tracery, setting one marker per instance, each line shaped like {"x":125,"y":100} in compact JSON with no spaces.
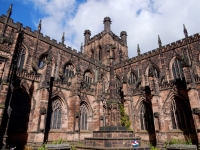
{"x":153,"y":72}
{"x":42,"y":61}
{"x":146,"y":117}
{"x":177,"y":70}
{"x":20,"y":58}
{"x":88,"y":77}
{"x":180,"y":115}
{"x":132,"y":79}
{"x":69,"y":71}
{"x":56,"y":114}
{"x":84,"y":115}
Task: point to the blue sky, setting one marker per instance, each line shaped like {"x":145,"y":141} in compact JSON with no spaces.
{"x":143,"y":20}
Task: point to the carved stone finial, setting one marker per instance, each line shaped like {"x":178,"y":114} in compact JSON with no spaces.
{"x":81,"y":48}
{"x":123,"y":36}
{"x":40,"y":26}
{"x":107,"y":21}
{"x":138,"y":49}
{"x":87,"y":32}
{"x":159,"y":42}
{"x":185,"y":31}
{"x":63,"y":38}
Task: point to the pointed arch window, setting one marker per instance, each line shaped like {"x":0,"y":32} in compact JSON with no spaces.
{"x":56,"y":114}
{"x":132,"y":78}
{"x":69,"y":71}
{"x":180,"y":115}
{"x":88,"y":77}
{"x":153,"y":72}
{"x":146,"y":117}
{"x":42,"y":61}
{"x":20,"y":59}
{"x":84,"y":115}
{"x":177,"y":70}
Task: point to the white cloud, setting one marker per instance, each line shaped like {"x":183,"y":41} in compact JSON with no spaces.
{"x":164,"y":18}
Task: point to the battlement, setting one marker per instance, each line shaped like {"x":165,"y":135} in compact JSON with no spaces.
{"x":163,"y":49}
{"x":100,"y":35}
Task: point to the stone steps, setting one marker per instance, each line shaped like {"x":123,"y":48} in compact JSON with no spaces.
{"x":111,"y":148}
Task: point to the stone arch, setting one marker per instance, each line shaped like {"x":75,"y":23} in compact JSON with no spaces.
{"x":171,"y":63}
{"x":151,"y":64}
{"x":57,"y":113}
{"x":85,"y":101}
{"x":22,"y":56}
{"x":19,"y":111}
{"x":138,"y":104}
{"x":72,"y":70}
{"x":166,"y":105}
{"x":61,"y":96}
{"x":28,"y":53}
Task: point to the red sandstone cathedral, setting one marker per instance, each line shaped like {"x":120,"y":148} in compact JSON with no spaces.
{"x":50,"y":91}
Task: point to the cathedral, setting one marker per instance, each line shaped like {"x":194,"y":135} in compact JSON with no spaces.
{"x":50,"y":91}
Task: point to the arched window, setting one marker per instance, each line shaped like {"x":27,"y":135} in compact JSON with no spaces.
{"x":180,"y":114}
{"x":132,"y":78}
{"x":20,"y":58}
{"x":56,"y":114}
{"x":88,"y":77}
{"x":42,"y":61}
{"x":177,"y":70}
{"x":153,"y":72}
{"x":69,"y":71}
{"x":84,"y":117}
{"x":146,"y":117}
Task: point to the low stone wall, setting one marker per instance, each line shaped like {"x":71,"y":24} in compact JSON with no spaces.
{"x":181,"y":147}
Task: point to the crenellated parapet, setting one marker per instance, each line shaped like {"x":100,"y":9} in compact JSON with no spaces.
{"x":164,"y":49}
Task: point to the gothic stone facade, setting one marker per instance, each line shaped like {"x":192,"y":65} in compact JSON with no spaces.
{"x":49,"y":91}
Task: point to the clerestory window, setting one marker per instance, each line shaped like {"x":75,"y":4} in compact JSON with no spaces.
{"x":177,"y":70}
{"x":132,"y":79}
{"x":88,"y":77}
{"x":69,"y":71}
{"x":42,"y":61}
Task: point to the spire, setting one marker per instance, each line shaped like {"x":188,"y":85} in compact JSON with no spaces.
{"x":9,"y":12}
{"x":185,"y":31}
{"x":81,"y":47}
{"x":159,"y":42}
{"x":63,"y":38}
{"x":40,"y":26}
{"x":138,"y":49}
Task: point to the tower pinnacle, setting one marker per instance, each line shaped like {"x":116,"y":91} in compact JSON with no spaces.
{"x":159,"y":42}
{"x":138,"y":49}
{"x":107,"y":21}
{"x":185,"y":31}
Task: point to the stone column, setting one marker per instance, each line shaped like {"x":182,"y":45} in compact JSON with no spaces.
{"x":193,"y":96}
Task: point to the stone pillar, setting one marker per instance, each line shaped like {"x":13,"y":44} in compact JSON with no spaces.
{"x":193,"y":96}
